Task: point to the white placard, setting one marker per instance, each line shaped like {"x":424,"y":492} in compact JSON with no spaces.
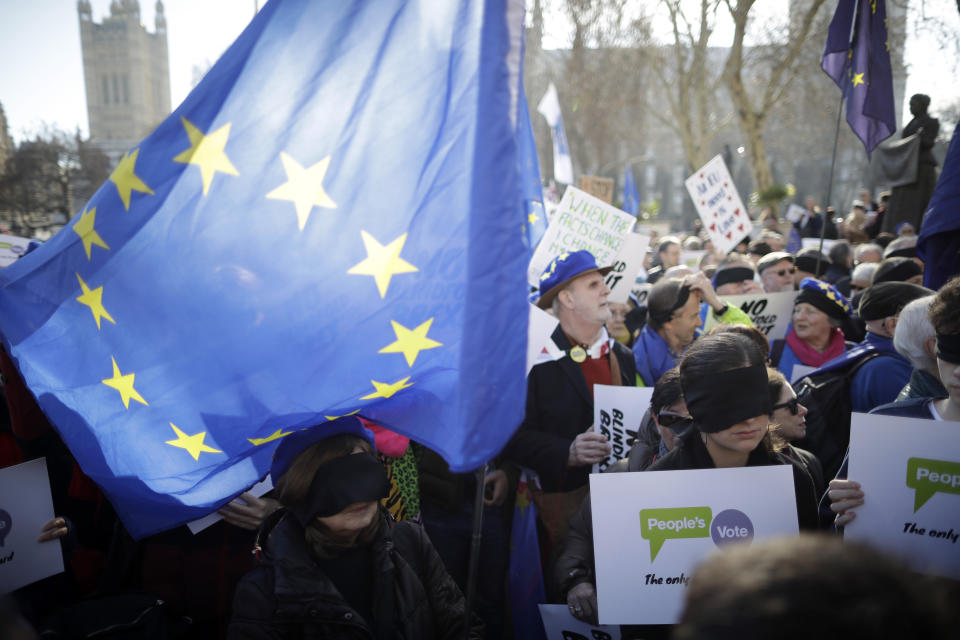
{"x":800,"y":371}
{"x":11,"y":248}
{"x":909,"y":471}
{"x":539,"y":329}
{"x":692,"y":259}
{"x":559,"y":624}
{"x":795,"y":213}
{"x":25,"y":506}
{"x":581,"y":221}
{"x":814,"y":243}
{"x":651,"y":529}
{"x":617,"y":412}
{"x":640,"y":292}
{"x":719,"y":205}
{"x":626,"y":266}
{"x":198,"y":525}
{"x":771,"y":313}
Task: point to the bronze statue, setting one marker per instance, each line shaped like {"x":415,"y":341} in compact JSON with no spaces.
{"x":909,"y":201}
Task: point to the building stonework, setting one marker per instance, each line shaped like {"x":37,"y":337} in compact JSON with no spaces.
{"x":126,"y":73}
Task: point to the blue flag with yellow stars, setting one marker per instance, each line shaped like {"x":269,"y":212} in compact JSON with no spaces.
{"x":631,"y":197}
{"x":857,"y":57}
{"x":329,"y":224}
{"x":535,"y":224}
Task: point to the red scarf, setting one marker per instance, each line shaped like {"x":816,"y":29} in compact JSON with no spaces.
{"x":810,"y":356}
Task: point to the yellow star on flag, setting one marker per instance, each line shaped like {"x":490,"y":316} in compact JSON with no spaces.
{"x":411,"y":343}
{"x":304,"y":187}
{"x":126,"y":180}
{"x":532,"y":217}
{"x":93,"y":298}
{"x":332,"y":418}
{"x":384,"y":390}
{"x":193,"y":444}
{"x":207,"y":152}
{"x":124,"y":385}
{"x":857,"y":79}
{"x":382,"y":262}
{"x":276,"y":435}
{"x":83,"y":227}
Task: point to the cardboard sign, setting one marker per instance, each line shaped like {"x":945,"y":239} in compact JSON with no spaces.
{"x":795,"y":213}
{"x":581,"y":221}
{"x":198,"y":525}
{"x":771,"y":313}
{"x":814,"y":243}
{"x":909,"y":470}
{"x":560,"y":624}
{"x":599,"y":187}
{"x":25,"y":506}
{"x":539,"y":329}
{"x":651,"y":529}
{"x":11,"y":248}
{"x":617,"y":412}
{"x":719,"y":205}
{"x":626,"y":266}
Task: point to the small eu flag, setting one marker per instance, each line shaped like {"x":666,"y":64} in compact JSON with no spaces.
{"x":327,"y":225}
{"x":857,"y":57}
{"x":631,"y":197}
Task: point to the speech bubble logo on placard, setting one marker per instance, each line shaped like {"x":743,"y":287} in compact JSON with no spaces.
{"x":927,"y":477}
{"x":6,"y":522}
{"x":660,"y":525}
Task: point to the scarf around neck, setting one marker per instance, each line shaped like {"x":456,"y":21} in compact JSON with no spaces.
{"x":810,"y":356}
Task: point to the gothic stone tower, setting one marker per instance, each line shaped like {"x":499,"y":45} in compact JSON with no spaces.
{"x":127,"y":76}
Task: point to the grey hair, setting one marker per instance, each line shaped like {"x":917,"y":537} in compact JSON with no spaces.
{"x":864,"y":248}
{"x":913,"y":330}
{"x":864,"y":272}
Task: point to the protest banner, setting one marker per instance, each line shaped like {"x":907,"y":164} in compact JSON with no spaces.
{"x":771,"y":313}
{"x":814,"y":243}
{"x":560,"y":624}
{"x":691,"y":259}
{"x":581,"y":222}
{"x":640,"y":291}
{"x":11,"y":248}
{"x":683,"y":515}
{"x":539,"y":329}
{"x":909,"y":471}
{"x":795,"y":213}
{"x":25,"y":506}
{"x":600,"y":187}
{"x":617,"y":412}
{"x":626,"y":266}
{"x":719,"y":205}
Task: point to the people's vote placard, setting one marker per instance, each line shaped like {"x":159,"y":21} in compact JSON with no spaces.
{"x":722,"y":212}
{"x":909,"y":471}
{"x":25,"y":506}
{"x":650,"y":530}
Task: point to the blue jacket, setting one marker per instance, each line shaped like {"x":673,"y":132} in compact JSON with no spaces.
{"x":652,"y":356}
{"x":880,"y":380}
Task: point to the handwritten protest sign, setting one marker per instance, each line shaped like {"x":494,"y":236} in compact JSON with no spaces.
{"x":559,"y":624}
{"x":617,"y":412}
{"x":718,"y":204}
{"x":909,"y":471}
{"x":640,"y":292}
{"x":25,"y":506}
{"x":771,"y":313}
{"x":651,"y":529}
{"x":540,"y":327}
{"x":11,"y":248}
{"x":596,"y":186}
{"x":626,"y":266}
{"x":795,"y":213}
{"x":581,"y":222}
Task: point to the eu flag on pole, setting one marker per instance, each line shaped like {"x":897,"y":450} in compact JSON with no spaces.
{"x":327,"y":225}
{"x":536,"y":220}
{"x":939,"y":241}
{"x":857,"y":57}
{"x":631,"y":197}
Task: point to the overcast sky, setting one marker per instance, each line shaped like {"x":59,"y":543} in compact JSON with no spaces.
{"x":41,"y":76}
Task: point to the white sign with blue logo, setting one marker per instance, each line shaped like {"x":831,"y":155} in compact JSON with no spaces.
{"x":669,"y":521}
{"x":25,"y":506}
{"x":11,"y":248}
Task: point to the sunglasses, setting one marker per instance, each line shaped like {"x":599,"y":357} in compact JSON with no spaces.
{"x":793,"y":405}
{"x":673,"y":421}
{"x":783,"y":272}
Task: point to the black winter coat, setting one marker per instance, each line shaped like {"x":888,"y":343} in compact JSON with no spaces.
{"x":289,"y":596}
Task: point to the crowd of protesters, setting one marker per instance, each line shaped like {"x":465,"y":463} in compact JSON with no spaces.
{"x":367,"y":534}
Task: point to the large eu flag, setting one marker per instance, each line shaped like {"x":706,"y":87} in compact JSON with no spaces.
{"x":330,"y":223}
{"x":857,"y":57}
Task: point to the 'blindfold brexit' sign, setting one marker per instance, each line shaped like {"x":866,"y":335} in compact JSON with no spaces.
{"x":617,"y":414}
{"x":909,"y":471}
{"x":581,"y":221}
{"x":718,"y":204}
{"x":677,"y":517}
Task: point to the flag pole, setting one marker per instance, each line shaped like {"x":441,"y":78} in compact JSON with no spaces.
{"x":833,"y":163}
{"x":481,"y":475}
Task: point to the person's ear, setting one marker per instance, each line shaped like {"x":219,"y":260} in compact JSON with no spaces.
{"x":930,"y":347}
